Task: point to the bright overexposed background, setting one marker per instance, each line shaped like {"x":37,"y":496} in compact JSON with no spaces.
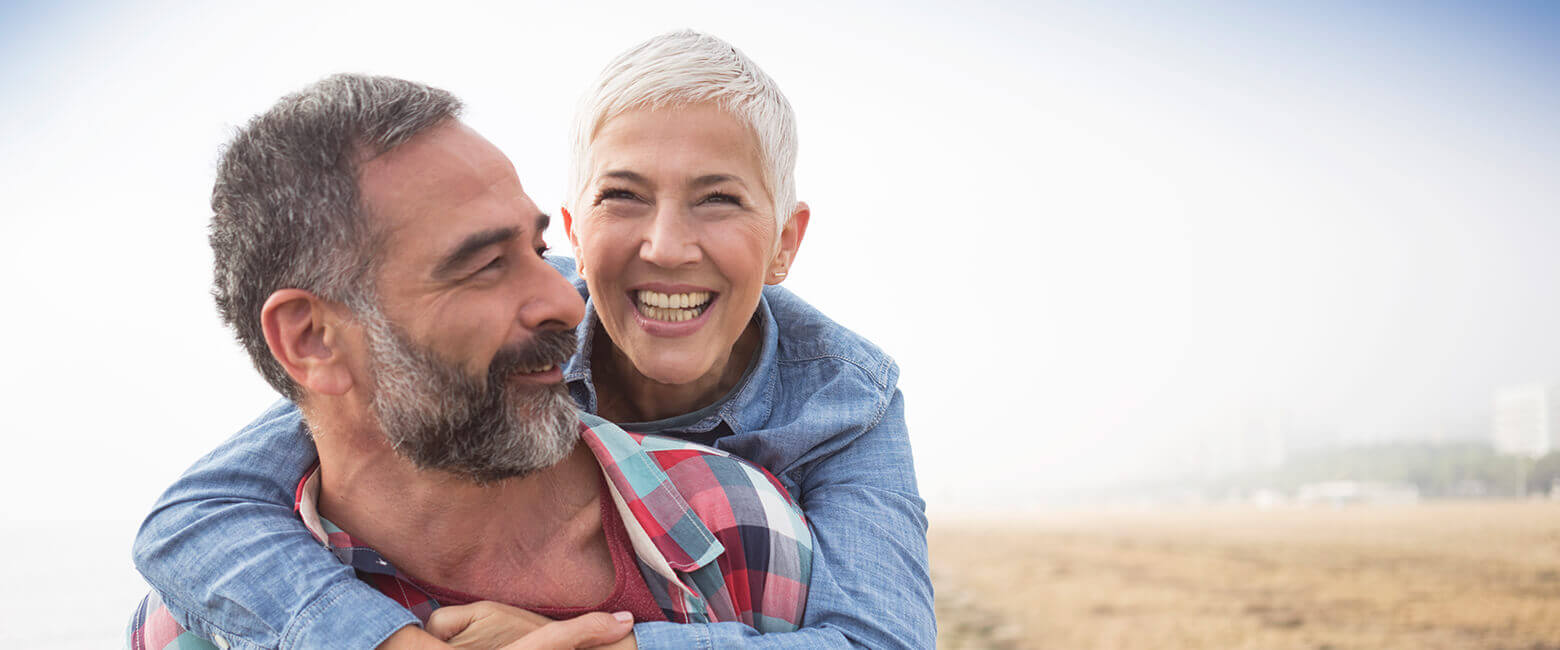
{"x":1097,"y":238}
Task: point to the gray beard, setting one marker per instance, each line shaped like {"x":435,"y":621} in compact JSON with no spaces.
{"x":480,"y":429}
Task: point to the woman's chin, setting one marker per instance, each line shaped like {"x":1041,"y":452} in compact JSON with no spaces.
{"x":671,"y":372}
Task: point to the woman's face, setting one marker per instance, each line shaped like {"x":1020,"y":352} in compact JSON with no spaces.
{"x":675,"y":236}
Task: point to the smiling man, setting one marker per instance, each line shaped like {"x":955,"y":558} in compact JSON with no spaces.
{"x":381,"y":264}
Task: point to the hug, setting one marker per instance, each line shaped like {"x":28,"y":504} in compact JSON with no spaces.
{"x":650,"y":444}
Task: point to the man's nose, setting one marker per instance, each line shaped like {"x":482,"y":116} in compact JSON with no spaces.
{"x":669,"y":240}
{"x":551,"y":303}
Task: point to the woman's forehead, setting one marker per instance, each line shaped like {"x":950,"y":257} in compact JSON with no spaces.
{"x":696,"y":141}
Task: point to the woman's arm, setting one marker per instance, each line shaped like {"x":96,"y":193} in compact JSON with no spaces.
{"x":870,"y":526}
{"x":871,"y":583}
{"x":233,"y":561}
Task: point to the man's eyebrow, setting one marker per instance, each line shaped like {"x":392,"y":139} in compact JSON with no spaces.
{"x":542,"y":221}
{"x":471,"y":245}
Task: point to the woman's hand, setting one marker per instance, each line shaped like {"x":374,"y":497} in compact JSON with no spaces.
{"x":488,"y":625}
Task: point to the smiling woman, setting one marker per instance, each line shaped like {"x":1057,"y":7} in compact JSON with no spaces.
{"x":682,"y":210}
{"x":676,"y":239}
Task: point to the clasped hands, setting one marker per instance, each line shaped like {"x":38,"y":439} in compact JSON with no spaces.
{"x":488,"y":625}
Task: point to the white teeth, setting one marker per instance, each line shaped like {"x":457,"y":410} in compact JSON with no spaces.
{"x":672,"y":308}
{"x":532,"y":371}
{"x":674,"y":300}
{"x":669,"y":315}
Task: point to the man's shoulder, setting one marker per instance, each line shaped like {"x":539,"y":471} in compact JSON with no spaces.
{"x":725,"y":492}
{"x":762,"y":533}
{"x":719,"y":486}
{"x":701,"y":472}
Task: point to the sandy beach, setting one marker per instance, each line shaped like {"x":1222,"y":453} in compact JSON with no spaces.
{"x":1435,"y":576}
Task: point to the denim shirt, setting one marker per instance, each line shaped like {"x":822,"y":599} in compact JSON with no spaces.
{"x":820,"y":410}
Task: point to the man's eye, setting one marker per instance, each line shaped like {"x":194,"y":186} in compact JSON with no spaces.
{"x":496,"y":264}
{"x":541,"y":251}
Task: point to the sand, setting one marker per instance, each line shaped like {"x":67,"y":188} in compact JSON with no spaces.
{"x":1453,"y":576}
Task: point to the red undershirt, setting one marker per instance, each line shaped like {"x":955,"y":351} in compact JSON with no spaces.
{"x":629,"y":592}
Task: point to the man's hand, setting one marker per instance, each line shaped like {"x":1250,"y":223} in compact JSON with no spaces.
{"x":488,"y":625}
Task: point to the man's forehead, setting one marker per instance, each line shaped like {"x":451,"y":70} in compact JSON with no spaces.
{"x":446,"y":176}
{"x":447,"y":159}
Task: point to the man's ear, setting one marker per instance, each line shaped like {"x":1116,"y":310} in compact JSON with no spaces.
{"x":790,"y":242}
{"x":568,"y":229}
{"x":304,"y":334}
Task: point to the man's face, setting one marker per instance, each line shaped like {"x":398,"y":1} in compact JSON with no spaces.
{"x":482,"y":428}
{"x":465,"y":355}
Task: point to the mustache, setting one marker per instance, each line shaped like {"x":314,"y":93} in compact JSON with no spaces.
{"x":546,"y":347}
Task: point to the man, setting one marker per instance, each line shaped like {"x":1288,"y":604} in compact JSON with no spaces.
{"x":382,"y":265}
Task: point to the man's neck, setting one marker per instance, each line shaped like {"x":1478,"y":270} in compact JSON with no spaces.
{"x":531,"y":540}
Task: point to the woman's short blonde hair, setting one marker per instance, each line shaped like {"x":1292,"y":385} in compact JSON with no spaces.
{"x":682,"y":68}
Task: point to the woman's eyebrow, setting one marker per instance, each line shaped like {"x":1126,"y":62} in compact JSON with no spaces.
{"x":624,"y":174}
{"x":715,"y":179}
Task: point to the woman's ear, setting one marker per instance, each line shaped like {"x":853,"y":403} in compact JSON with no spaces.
{"x":790,"y":241}
{"x":304,"y":335}
{"x":568,"y":229}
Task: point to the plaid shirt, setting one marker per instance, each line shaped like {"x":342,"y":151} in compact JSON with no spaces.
{"x":716,"y":539}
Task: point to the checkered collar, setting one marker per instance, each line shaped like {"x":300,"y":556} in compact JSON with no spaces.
{"x":665,"y":532}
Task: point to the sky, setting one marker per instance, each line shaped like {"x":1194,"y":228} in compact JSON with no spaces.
{"x":1099,"y":239}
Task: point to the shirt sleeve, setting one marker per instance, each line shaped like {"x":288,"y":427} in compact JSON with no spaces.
{"x":231,"y":560}
{"x":871,"y":583}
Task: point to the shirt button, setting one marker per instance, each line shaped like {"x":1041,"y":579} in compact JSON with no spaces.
{"x":219,"y":641}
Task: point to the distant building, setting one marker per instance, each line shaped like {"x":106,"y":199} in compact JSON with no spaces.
{"x":1527,"y":420}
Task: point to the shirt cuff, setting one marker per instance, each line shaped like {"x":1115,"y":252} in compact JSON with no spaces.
{"x":650,"y":636}
{"x":347,"y":616}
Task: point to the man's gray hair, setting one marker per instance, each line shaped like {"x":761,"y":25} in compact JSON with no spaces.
{"x":287,"y":210}
{"x":682,"y":68}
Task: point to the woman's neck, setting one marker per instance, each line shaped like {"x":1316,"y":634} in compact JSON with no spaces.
{"x":623,"y":394}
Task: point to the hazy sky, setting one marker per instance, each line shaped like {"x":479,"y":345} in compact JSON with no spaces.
{"x":1093,"y":237}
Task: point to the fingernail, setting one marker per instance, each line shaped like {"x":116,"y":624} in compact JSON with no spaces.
{"x":623,"y":617}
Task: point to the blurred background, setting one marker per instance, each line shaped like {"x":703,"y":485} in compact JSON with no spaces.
{"x":1221,"y":324}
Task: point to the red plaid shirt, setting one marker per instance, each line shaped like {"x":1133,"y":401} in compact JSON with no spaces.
{"x":716,"y":539}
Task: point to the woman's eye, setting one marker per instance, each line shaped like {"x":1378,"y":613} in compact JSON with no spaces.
{"x":723,"y":198}
{"x":613,"y":193}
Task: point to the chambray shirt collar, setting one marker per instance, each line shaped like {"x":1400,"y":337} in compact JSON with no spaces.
{"x":750,"y":403}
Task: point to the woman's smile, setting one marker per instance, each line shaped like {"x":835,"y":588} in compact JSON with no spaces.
{"x":671,"y":311}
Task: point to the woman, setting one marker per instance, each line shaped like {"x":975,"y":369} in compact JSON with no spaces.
{"x":681,"y":210}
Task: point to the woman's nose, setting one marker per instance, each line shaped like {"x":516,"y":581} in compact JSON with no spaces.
{"x":670,"y":240}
